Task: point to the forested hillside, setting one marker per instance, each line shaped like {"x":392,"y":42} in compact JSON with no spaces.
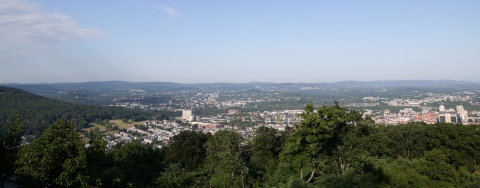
{"x":38,"y":113}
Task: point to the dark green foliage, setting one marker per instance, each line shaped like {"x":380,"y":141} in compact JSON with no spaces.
{"x":9,"y":143}
{"x":435,"y":166}
{"x":38,"y":113}
{"x":226,"y":160}
{"x":96,"y":149}
{"x":322,"y":136}
{"x":266,"y":145}
{"x":208,"y":111}
{"x":173,"y":177}
{"x":187,"y":148}
{"x":407,"y":140}
{"x":127,"y":165}
{"x":57,"y":158}
{"x":460,"y":143}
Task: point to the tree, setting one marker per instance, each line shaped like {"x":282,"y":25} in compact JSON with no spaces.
{"x":409,"y":140}
{"x":38,"y":112}
{"x":58,"y":158}
{"x":317,"y":133}
{"x":96,"y":130}
{"x":9,"y":147}
{"x":95,"y":153}
{"x":96,"y":149}
{"x":267,"y":142}
{"x":435,"y":166}
{"x":226,"y":160}
{"x":108,"y":127}
{"x":131,"y":164}
{"x":266,"y":146}
{"x":173,"y":177}
{"x":187,"y":148}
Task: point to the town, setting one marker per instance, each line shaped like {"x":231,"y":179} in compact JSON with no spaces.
{"x":238,"y":111}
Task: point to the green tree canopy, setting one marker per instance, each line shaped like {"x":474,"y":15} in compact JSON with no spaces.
{"x":226,"y":160}
{"x":9,"y":144}
{"x":57,"y":158}
{"x":187,"y":148}
{"x":317,"y":133}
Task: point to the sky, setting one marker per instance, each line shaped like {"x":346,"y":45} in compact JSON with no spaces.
{"x":51,"y":41}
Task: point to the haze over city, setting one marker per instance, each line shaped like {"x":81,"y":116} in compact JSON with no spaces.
{"x":144,"y":93}
{"x":248,"y":41}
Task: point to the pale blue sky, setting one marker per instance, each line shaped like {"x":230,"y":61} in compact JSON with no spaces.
{"x":242,"y":41}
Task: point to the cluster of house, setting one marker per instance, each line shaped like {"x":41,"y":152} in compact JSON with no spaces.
{"x":460,"y":116}
{"x":160,"y":131}
{"x":430,"y":98}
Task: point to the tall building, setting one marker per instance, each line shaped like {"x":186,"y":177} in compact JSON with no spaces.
{"x":462,"y":115}
{"x":447,"y":116}
{"x":450,"y":116}
{"x":187,"y":115}
{"x":441,"y":108}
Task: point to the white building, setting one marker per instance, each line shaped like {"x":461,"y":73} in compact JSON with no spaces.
{"x":187,"y":115}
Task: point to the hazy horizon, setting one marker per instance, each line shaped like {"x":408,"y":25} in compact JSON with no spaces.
{"x":27,"y":83}
{"x":59,"y":41}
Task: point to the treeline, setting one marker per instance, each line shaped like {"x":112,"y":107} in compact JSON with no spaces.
{"x":38,"y":113}
{"x":211,"y":111}
{"x":330,"y":147}
{"x":83,"y":97}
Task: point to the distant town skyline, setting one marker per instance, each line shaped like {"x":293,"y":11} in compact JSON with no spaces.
{"x":238,"y":42}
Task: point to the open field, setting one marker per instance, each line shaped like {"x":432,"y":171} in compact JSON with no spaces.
{"x":117,"y":122}
{"x":122,"y":125}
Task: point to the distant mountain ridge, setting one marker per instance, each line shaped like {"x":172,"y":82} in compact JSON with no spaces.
{"x":105,"y":86}
{"x":53,"y":88}
{"x":401,"y":83}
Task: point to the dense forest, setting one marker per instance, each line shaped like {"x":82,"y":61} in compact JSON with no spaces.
{"x":332,"y":146}
{"x":38,"y":113}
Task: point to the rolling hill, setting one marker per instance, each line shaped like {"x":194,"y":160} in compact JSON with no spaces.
{"x":38,"y":113}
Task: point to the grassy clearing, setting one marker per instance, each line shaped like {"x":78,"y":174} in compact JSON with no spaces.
{"x":117,"y":122}
{"x":122,"y":125}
